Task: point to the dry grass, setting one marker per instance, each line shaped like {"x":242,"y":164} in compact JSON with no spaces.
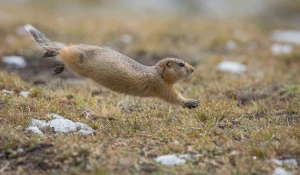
{"x":242,"y":116}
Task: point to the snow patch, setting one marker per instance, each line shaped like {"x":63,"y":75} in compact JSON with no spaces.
{"x":24,"y":93}
{"x":278,"y":49}
{"x":7,"y":91}
{"x":232,"y":67}
{"x":173,"y":159}
{"x":289,"y":36}
{"x":59,"y":124}
{"x":281,"y":171}
{"x":14,"y":61}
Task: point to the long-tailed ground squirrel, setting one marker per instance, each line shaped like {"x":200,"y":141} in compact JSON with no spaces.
{"x":119,"y":72}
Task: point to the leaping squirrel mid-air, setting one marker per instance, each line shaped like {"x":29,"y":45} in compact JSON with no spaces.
{"x":118,"y":72}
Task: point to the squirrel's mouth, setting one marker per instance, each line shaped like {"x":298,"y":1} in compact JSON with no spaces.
{"x":189,"y":74}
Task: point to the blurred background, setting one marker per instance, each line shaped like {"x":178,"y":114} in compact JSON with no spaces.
{"x":198,"y":31}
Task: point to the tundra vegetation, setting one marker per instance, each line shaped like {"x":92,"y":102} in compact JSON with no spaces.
{"x":245,"y":119}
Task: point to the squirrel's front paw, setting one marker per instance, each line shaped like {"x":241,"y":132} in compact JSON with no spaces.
{"x":191,"y":104}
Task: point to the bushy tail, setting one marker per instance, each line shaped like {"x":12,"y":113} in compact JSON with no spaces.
{"x":50,"y":48}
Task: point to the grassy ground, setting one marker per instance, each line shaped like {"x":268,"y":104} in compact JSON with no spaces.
{"x":244,"y":121}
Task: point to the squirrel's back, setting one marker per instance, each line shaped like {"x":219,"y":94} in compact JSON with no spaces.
{"x":107,"y":67}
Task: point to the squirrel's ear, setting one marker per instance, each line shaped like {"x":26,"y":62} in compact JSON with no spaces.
{"x":168,"y":64}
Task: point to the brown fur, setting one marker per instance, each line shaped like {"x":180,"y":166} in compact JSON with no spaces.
{"x":122,"y":74}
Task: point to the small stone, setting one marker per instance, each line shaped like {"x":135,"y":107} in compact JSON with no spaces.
{"x":7,"y":92}
{"x":232,"y":67}
{"x":41,"y":124}
{"x":34,"y":129}
{"x":83,"y":126}
{"x":20,"y":150}
{"x":288,"y":36}
{"x":291,"y":162}
{"x":171,"y":159}
{"x":281,"y":171}
{"x":24,"y":93}
{"x":85,"y":132}
{"x":14,"y":61}
{"x":279,"y":49}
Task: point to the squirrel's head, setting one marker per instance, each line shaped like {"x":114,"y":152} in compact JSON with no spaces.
{"x":174,"y":70}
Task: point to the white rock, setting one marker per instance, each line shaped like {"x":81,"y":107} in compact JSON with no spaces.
{"x":83,"y":126}
{"x":278,"y":49}
{"x":291,"y":162}
{"x":85,"y":132}
{"x":41,"y":124}
{"x":126,"y":38}
{"x":24,"y":93}
{"x":230,"y":45}
{"x":281,"y":171}
{"x":54,"y":116}
{"x":34,"y":129}
{"x":185,"y":156}
{"x":171,"y":159}
{"x":7,"y":92}
{"x":232,"y":67}
{"x":289,"y":36}
{"x":14,"y":61}
{"x":62,"y":125}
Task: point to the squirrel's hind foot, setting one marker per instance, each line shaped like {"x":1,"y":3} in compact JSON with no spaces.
{"x":59,"y":70}
{"x":50,"y":53}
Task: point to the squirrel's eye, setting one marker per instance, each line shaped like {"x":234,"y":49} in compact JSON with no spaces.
{"x":181,"y":64}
